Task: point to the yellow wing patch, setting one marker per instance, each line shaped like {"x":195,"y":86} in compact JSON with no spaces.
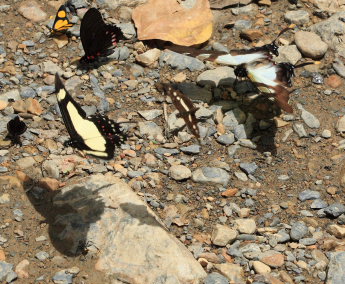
{"x":61,"y":22}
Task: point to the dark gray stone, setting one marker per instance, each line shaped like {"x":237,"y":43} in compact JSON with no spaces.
{"x":336,"y":268}
{"x":298,"y":230}
{"x":335,"y":209}
{"x":216,"y":278}
{"x":192,"y":149}
{"x":248,"y":168}
{"x":318,"y":204}
{"x":309,"y":195}
{"x":180,"y":61}
{"x":5,"y":269}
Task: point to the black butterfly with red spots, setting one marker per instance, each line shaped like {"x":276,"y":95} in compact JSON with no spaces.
{"x":97,"y":37}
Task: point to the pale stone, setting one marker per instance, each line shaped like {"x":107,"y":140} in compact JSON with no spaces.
{"x":260,"y":267}
{"x":132,"y":243}
{"x":222,"y":235}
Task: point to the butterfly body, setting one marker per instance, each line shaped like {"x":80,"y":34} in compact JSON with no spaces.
{"x":97,"y":37}
{"x":61,"y":23}
{"x":15,"y":128}
{"x":96,"y":135}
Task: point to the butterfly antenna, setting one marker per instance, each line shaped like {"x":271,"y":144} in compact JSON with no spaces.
{"x":307,"y":63}
{"x":291,"y":27}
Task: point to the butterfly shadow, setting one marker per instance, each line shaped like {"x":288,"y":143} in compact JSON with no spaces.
{"x":68,"y":214}
{"x":246,"y":97}
{"x":140,"y":213}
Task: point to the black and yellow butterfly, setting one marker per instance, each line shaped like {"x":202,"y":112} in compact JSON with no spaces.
{"x":95,"y":135}
{"x":61,"y":23}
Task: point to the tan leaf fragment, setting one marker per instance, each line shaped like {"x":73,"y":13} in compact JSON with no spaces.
{"x":168,"y":20}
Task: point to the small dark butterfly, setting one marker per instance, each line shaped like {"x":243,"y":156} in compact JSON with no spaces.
{"x":97,"y":37}
{"x":15,"y":128}
{"x":184,"y":106}
{"x":61,"y":23}
{"x":95,"y":135}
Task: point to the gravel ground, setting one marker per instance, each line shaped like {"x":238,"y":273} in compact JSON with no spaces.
{"x":259,"y":199}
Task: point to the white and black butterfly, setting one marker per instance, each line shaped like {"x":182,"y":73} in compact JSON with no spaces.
{"x":96,"y":135}
{"x":237,"y":56}
{"x":271,"y":79}
{"x":184,"y":106}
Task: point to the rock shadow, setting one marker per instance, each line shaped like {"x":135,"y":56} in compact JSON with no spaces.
{"x":69,"y":215}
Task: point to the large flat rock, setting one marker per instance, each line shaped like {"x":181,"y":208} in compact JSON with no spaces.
{"x":133,"y":246}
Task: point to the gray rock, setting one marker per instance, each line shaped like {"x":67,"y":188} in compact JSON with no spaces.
{"x":5,"y":269}
{"x":216,"y":278}
{"x":79,"y":4}
{"x":192,"y":149}
{"x":42,"y":255}
{"x":11,"y":276}
{"x":162,"y":151}
{"x":219,"y":47}
{"x":250,"y":9}
{"x":175,"y":123}
{"x":72,"y":83}
{"x":195,"y":93}
{"x":220,"y":76}
{"x":63,"y":277}
{"x":299,"y":129}
{"x":149,"y":128}
{"x":298,"y":17}
{"x":339,"y":66}
{"x":298,"y":230}
{"x":331,"y":31}
{"x":248,"y":168}
{"x":118,"y":216}
{"x":308,"y":195}
{"x":247,"y":143}
{"x":211,"y":175}
{"x":51,"y":68}
{"x":282,"y":236}
{"x":251,"y":251}
{"x":313,"y":48}
{"x":233,"y":149}
{"x":240,"y":132}
{"x":308,"y":241}
{"x":128,"y":29}
{"x":203,"y":113}
{"x":27,"y":92}
{"x":226,"y":139}
{"x":289,"y":54}
{"x":336,"y":268}
{"x":318,"y":204}
{"x":95,"y":87}
{"x":242,"y":25}
{"x":233,"y":118}
{"x":308,"y":118}
{"x":335,"y":210}
{"x":180,"y":61}
{"x":150,"y":114}
{"x":120,"y":53}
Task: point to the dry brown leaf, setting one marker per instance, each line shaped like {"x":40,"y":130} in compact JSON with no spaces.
{"x":168,"y":20}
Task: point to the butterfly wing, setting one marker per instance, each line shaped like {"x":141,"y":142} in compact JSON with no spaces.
{"x":61,"y":23}
{"x":265,"y":77}
{"x":96,"y":135}
{"x":184,"y":106}
{"x":97,"y":37}
{"x":16,"y":127}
